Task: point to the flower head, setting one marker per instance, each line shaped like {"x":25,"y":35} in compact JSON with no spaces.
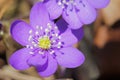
{"x":75,"y":12}
{"x":45,"y":44}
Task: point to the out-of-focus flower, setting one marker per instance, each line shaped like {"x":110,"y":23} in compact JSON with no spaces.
{"x":75,"y":12}
{"x":0,"y":25}
{"x":45,"y":45}
{"x":1,"y":31}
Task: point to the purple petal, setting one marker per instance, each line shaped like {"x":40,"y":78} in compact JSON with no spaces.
{"x":70,"y":57}
{"x":62,"y":25}
{"x":87,"y":14}
{"x":45,"y":1}
{"x":68,"y":38}
{"x":39,"y":15}
{"x":99,"y":3}
{"x":18,"y":60}
{"x":20,"y":32}
{"x":54,"y":10}
{"x":49,"y":68}
{"x":71,"y":18}
{"x":37,"y":59}
{"x":79,"y":33}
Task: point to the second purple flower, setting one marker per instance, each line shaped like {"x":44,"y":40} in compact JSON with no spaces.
{"x":75,"y":12}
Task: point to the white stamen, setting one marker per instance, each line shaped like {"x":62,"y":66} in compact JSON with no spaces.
{"x":59,"y":3}
{"x":59,"y":47}
{"x":41,"y":52}
{"x":50,"y":27}
{"x":37,"y":27}
{"x":45,"y":36}
{"x":41,"y":27}
{"x":64,"y":1}
{"x":33,"y":42}
{"x":59,"y":43}
{"x":53,"y":34}
{"x":30,"y":31}
{"x":56,"y":27}
{"x":54,"y":41}
{"x":71,"y":1}
{"x":31,"y":47}
{"x":59,"y":37}
{"x":31,"y":52}
{"x":52,"y":52}
{"x":48,"y":24}
{"x":56,"y":35}
{"x":35,"y":45}
{"x":36,"y":32}
{"x":30,"y":37}
{"x":46,"y":30}
{"x":27,"y":46}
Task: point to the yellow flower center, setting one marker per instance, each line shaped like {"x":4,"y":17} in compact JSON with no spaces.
{"x":45,"y":43}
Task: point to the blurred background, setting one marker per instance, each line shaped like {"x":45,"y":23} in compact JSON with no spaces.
{"x":100,"y":45}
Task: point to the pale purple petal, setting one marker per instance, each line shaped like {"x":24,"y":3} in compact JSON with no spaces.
{"x":37,"y":59}
{"x":54,"y":10}
{"x":87,"y":13}
{"x":39,"y":15}
{"x":99,"y":3}
{"x":18,"y":60}
{"x":62,"y":26}
{"x":20,"y":32}
{"x":71,"y":18}
{"x":68,"y":38}
{"x":70,"y":57}
{"x":49,"y":68}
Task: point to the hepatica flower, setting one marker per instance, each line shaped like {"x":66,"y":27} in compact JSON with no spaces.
{"x":45,"y":46}
{"x":75,"y":12}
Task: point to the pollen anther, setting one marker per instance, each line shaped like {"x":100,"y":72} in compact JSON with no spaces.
{"x":44,"y":43}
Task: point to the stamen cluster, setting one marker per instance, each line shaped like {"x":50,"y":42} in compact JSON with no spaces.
{"x":44,"y":40}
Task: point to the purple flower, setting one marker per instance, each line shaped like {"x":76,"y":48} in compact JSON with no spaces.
{"x":1,"y":31}
{"x":75,"y":12}
{"x":45,"y":45}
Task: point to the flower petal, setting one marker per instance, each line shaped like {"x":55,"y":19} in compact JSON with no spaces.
{"x":71,"y":18}
{"x":37,"y":59}
{"x":86,"y":13}
{"x":70,"y":57}
{"x":62,"y":25}
{"x":68,"y":38}
{"x":54,"y":10}
{"x":79,"y":33}
{"x":49,"y":68}
{"x":18,"y":60}
{"x":39,"y":15}
{"x":99,"y":3}
{"x":20,"y":32}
